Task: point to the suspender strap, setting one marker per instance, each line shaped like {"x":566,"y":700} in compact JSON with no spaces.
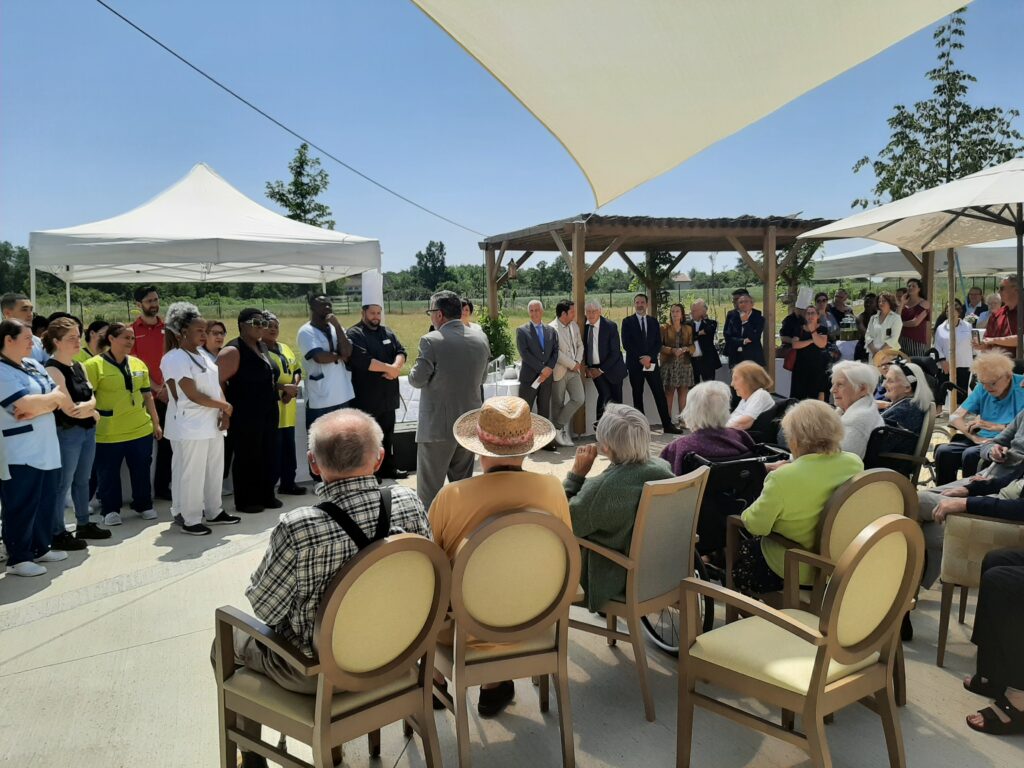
{"x":342,"y":518}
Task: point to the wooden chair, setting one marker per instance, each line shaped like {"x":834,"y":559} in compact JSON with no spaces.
{"x":966,"y":540}
{"x":374,"y":635}
{"x":661,"y":553}
{"x":514,"y":580}
{"x":804,"y":663}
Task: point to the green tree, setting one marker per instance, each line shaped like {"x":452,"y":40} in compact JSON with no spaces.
{"x":430,"y":265}
{"x":299,"y":196}
{"x":942,"y":138}
{"x":13,"y":267}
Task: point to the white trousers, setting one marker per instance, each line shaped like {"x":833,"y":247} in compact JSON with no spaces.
{"x":197,"y":478}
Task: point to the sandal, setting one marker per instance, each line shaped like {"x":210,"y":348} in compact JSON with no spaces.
{"x":994,"y":725}
{"x":982,"y":686}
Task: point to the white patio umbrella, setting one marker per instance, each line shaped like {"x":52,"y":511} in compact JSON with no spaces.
{"x":978,"y":208}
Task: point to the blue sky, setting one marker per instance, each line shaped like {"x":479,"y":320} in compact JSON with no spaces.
{"x":95,"y":119}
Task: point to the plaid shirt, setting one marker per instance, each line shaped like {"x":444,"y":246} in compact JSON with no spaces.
{"x":307,"y":548}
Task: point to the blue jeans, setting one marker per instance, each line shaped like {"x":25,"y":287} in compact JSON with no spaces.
{"x":77,"y":452}
{"x":28,"y":499}
{"x":109,"y":457}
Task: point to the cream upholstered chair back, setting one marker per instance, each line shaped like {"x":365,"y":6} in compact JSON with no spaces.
{"x":965,"y":542}
{"x":665,"y":533}
{"x":515,"y":576}
{"x":871,"y":587}
{"x":381,"y":612}
{"x":860,"y":501}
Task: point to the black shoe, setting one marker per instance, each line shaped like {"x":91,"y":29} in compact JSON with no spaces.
{"x":552,"y":446}
{"x":292,"y":490}
{"x":906,"y":629}
{"x":196,"y":530}
{"x":162,"y":495}
{"x":438,"y":704}
{"x":67,"y":543}
{"x":672,"y":429}
{"x":91,"y":531}
{"x":273,"y":503}
{"x":252,"y":509}
{"x":252,"y":760}
{"x":224,"y":519}
{"x":493,"y":700}
{"x":395,"y":474}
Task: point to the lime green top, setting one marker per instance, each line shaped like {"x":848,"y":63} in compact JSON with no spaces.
{"x":123,"y":413}
{"x":286,"y":366}
{"x":793,"y":498}
{"x":83,"y":355}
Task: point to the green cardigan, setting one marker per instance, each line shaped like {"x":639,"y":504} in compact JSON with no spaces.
{"x":603,"y":510}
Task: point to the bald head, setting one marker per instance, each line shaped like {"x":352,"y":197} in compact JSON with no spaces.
{"x":345,"y":443}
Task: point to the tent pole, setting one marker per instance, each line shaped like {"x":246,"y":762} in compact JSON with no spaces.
{"x":952,"y":321}
{"x":32,"y":284}
{"x":1020,"y":279}
{"x":67,"y":296}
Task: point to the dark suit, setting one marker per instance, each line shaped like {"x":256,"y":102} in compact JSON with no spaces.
{"x":736,"y":331}
{"x":535,"y":358}
{"x":704,"y":367}
{"x":640,"y":342}
{"x":608,"y":360}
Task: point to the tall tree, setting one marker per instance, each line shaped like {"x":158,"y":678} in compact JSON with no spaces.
{"x":942,"y":138}
{"x":299,"y":196}
{"x":430,"y":265}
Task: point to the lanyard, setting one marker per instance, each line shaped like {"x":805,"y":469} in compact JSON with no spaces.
{"x":285,"y":368}
{"x":126,"y":373}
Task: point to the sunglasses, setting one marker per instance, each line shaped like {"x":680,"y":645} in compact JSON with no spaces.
{"x":257,"y":322}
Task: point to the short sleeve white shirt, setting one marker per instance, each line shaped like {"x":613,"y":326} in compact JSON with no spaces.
{"x":759,"y":402}
{"x":32,"y":442}
{"x":328,"y":385}
{"x":187,"y":420}
{"x":964,"y":350}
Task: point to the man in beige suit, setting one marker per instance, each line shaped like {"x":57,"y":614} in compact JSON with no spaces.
{"x":568,"y":372}
{"x":451,"y":366}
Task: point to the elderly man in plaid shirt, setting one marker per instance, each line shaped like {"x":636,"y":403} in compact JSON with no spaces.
{"x":308,"y":547}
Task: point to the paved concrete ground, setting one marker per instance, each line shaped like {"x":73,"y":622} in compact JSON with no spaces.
{"x":104,"y":663}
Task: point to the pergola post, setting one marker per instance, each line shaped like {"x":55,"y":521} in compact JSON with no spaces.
{"x":490,"y":269}
{"x":579,"y":297}
{"x":954,"y":320}
{"x":770,"y":270}
{"x":928,"y":260}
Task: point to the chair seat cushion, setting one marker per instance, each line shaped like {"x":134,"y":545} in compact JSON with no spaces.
{"x":299,"y":706}
{"x":482,"y":650}
{"x":760,"y":650}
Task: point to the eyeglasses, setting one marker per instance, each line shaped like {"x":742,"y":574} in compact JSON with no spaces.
{"x":257,"y":322}
{"x":429,"y":311}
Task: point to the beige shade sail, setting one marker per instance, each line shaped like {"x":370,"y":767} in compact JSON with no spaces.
{"x":632,"y":89}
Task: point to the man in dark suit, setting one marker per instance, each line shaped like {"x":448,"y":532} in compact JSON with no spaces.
{"x":744,"y":329}
{"x":641,"y":337}
{"x":537,"y":343}
{"x":602,"y":357}
{"x":706,"y":360}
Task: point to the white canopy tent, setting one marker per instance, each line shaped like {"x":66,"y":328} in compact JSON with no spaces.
{"x":633,"y":89}
{"x":201,"y":229}
{"x":884,"y":260}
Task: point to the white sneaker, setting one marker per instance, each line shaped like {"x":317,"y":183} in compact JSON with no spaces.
{"x":26,"y":568}
{"x":95,"y":505}
{"x":53,"y":556}
{"x":148,"y":514}
{"x":112,"y":518}
{"x":563,"y":438}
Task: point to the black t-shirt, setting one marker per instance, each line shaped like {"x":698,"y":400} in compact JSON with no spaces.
{"x":791,"y":325}
{"x":79,"y":390}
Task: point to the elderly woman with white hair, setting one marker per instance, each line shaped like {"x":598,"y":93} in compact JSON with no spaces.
{"x":794,"y":496}
{"x":603,"y":509}
{"x":706,"y":413}
{"x":909,"y":395}
{"x":853,"y":390}
{"x":197,"y":411}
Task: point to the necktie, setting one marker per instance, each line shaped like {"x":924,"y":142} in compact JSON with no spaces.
{"x":643,"y":326}
{"x":539,"y":330}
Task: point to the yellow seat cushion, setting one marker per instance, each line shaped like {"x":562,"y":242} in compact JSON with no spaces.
{"x":760,"y":650}
{"x":299,"y":706}
{"x":481,"y":650}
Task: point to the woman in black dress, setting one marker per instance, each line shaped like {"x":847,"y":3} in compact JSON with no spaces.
{"x":810,"y":372}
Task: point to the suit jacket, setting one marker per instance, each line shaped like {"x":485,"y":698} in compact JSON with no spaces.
{"x":705,"y":339}
{"x":609,"y":358}
{"x":735,"y":332}
{"x":638,"y":344}
{"x":534,"y":358}
{"x":668,"y":342}
{"x":450,"y":370}
{"x":568,"y":338}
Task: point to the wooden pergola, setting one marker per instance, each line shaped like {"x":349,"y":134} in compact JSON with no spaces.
{"x":606,"y":236}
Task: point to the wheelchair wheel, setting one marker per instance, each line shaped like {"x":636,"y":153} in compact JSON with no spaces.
{"x":663,"y":627}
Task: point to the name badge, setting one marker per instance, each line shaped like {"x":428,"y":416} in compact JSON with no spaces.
{"x":386,"y":341}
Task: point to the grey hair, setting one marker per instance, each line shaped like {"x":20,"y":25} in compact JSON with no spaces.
{"x":592,"y":304}
{"x":923,"y":397}
{"x":536,"y":301}
{"x":180,"y":315}
{"x":707,"y":406}
{"x":624,"y":434}
{"x":695,"y":302}
{"x":270,"y":317}
{"x":860,"y":375}
{"x":344,"y":440}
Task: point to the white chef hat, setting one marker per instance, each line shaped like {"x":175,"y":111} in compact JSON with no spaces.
{"x":373,"y":288}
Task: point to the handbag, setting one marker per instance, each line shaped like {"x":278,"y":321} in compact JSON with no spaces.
{"x":789,"y":363}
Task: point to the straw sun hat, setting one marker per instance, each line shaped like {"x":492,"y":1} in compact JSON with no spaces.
{"x":504,"y":426}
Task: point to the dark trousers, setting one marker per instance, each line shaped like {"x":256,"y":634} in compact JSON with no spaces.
{"x":254,"y":440}
{"x":386,"y":420}
{"x":162,"y":472}
{"x":703,"y":370}
{"x":953,"y":456}
{"x":28,"y":499}
{"x":637,"y":377}
{"x":541,"y":394}
{"x":138,"y":454}
{"x":608,"y":391}
{"x":285,"y":466}
{"x":999,"y":618}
